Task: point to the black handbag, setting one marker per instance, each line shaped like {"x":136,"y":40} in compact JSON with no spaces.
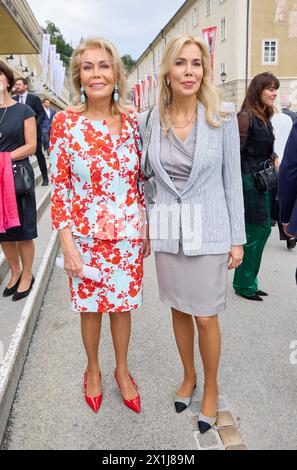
{"x":22,"y":182}
{"x":266,"y":179}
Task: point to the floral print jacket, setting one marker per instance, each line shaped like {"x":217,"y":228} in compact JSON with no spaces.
{"x":97,"y":186}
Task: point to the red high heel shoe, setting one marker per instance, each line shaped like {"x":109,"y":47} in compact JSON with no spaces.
{"x":133,"y":404}
{"x":93,"y":402}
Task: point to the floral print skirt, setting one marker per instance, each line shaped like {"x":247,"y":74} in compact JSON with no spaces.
{"x":121,"y":266}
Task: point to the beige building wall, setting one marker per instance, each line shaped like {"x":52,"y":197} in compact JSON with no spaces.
{"x":248,"y":24}
{"x":276,"y":21}
{"x":230,"y":50}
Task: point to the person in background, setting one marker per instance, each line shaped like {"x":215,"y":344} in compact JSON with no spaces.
{"x":287,"y":191}
{"x":46,"y":124}
{"x":18,"y":137}
{"x":23,"y":96}
{"x":282,"y":125}
{"x":286,"y":109}
{"x":256,"y":146}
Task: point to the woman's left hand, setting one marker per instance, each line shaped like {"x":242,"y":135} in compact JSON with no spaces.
{"x":235,"y":257}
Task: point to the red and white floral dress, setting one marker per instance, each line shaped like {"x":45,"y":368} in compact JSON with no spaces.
{"x":97,"y":191}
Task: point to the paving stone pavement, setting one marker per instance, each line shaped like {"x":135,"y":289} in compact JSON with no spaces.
{"x":257,"y":381}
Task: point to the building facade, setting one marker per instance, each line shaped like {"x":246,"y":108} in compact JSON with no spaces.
{"x":245,"y":37}
{"x":20,"y":47}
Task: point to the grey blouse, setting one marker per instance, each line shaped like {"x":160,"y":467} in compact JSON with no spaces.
{"x":177,"y":157}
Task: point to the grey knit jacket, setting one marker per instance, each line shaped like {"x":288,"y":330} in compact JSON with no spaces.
{"x":208,"y":216}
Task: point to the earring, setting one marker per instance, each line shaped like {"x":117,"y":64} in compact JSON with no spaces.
{"x":116,"y":95}
{"x":82,"y":96}
{"x":167,"y":81}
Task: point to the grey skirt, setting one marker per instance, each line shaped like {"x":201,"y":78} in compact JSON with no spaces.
{"x":196,"y":285}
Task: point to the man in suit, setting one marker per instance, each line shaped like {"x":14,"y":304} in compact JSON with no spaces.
{"x":23,"y":96}
{"x":47,"y":123}
{"x":286,"y":105}
{"x":288,"y":185}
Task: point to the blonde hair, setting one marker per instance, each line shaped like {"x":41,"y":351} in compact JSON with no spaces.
{"x":208,"y":94}
{"x":117,"y":107}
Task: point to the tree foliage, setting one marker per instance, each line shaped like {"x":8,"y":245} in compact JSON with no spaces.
{"x":128,"y":62}
{"x":63,"y":48}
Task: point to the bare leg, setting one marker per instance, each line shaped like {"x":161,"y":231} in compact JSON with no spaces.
{"x":120,"y":324}
{"x":183,"y":327}
{"x":210,"y":349}
{"x":27,"y":251}
{"x":11,"y":252}
{"x":90,"y":330}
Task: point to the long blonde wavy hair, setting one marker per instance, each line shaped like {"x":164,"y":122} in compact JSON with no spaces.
{"x":208,"y":94}
{"x":117,"y":107}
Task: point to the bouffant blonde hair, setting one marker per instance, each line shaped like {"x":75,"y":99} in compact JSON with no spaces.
{"x":119,"y":106}
{"x":208,"y":94}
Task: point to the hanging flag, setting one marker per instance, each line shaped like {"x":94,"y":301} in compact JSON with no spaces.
{"x":63,"y":71}
{"x":151,"y":90}
{"x":52,"y":65}
{"x":57,"y":71}
{"x":137,"y":96}
{"x":143,"y":85}
{"x":156,"y":81}
{"x":210,"y":39}
{"x":46,"y":41}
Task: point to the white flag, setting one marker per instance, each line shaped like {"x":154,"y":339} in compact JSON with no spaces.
{"x":46,"y":40}
{"x":57,"y":68}
{"x":52,"y":64}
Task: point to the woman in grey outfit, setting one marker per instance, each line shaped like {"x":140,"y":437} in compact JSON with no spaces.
{"x":191,"y":157}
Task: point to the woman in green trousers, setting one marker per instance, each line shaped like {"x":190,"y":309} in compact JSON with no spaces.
{"x":256,"y":146}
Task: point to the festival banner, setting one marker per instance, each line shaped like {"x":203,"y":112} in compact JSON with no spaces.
{"x":137,"y":96}
{"x":52,"y":65}
{"x":46,"y":41}
{"x":63,"y":71}
{"x":57,"y":72}
{"x":143,"y":94}
{"x":210,"y":39}
{"x":151,"y":91}
{"x":155,"y":79}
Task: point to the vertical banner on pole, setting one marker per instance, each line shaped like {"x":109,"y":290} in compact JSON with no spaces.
{"x":62,"y":79}
{"x":155,"y":85}
{"x":46,"y":40}
{"x":57,"y":70}
{"x":151,"y":90}
{"x":210,"y":39}
{"x":52,"y":64}
{"x":143,"y":93}
{"x":138,"y":97}
{"x":148,"y":92}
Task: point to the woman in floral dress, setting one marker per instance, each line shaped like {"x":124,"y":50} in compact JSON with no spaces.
{"x":98,"y":208}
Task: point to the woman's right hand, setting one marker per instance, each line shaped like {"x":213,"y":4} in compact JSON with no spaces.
{"x":73,"y":263}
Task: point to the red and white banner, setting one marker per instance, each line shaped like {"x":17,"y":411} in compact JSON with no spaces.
{"x":210,"y":39}
{"x":137,"y":96}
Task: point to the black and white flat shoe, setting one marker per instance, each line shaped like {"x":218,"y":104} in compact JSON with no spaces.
{"x":205,"y":423}
{"x":182,"y":403}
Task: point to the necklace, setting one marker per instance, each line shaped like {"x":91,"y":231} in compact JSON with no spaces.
{"x":1,"y":135}
{"x":187,"y":124}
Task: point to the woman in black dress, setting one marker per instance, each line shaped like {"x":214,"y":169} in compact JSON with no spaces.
{"x":256,"y":146}
{"x":18,"y":136}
